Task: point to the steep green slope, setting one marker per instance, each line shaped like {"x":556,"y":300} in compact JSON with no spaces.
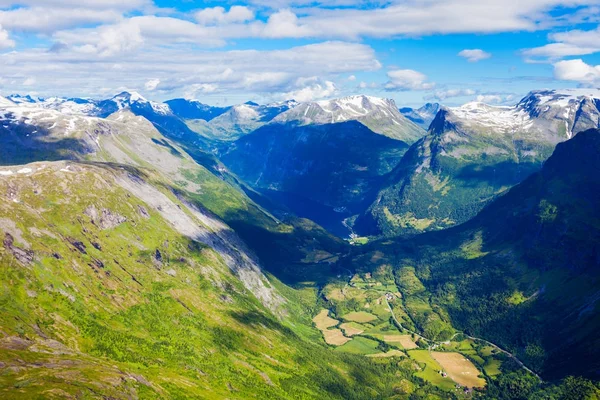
{"x":524,"y":272}
{"x":112,"y":287}
{"x":336,"y":168}
{"x":132,"y":140}
{"x":472,"y":154}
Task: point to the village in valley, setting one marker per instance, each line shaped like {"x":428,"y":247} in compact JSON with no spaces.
{"x":369,"y":314}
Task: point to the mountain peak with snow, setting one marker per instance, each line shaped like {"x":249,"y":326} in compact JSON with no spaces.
{"x":4,"y":102}
{"x":380,"y":115}
{"x":127,"y":98}
{"x":422,"y":116}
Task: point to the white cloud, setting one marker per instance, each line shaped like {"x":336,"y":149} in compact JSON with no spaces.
{"x":311,"y":89}
{"x":414,"y":17}
{"x":264,"y":73}
{"x":441,"y":95}
{"x":578,"y":71}
{"x":285,"y":24}
{"x":29,"y":82}
{"x":152,"y":84}
{"x":337,"y":19}
{"x":192,"y":91}
{"x":218,"y":15}
{"x":352,"y":78}
{"x":47,"y":20}
{"x":407,"y":79}
{"x":474,"y":55}
{"x":5,"y":40}
{"x":97,"y":4}
{"x":489,"y":98}
{"x":132,"y":33}
{"x":569,"y":43}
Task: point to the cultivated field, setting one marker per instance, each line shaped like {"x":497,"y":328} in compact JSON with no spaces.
{"x":459,"y":368}
{"x":352,"y":328}
{"x":335,"y":337}
{"x":391,"y":353}
{"x":359,"y":316}
{"x":324,"y":321}
{"x":403,"y":340}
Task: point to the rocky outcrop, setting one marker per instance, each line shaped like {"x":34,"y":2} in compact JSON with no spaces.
{"x":24,"y":256}
{"x":104,"y":219}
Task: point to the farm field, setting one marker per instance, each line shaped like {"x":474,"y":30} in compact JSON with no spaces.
{"x":360,"y":345}
{"x":335,"y":337}
{"x":391,"y":353}
{"x":492,"y":367}
{"x":361,"y":323}
{"x":352,"y":328}
{"x":323,"y":320}
{"x":403,"y":340}
{"x":359,"y":316}
{"x":459,"y":368}
{"x":430,"y":369}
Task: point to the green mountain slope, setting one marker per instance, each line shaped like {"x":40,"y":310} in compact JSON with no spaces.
{"x":132,"y":140}
{"x":335,"y":168}
{"x":524,"y":272}
{"x":472,"y":154}
{"x":112,"y":287}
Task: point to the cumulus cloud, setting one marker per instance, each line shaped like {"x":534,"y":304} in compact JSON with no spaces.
{"x":218,"y":15}
{"x":474,"y":55}
{"x":337,"y":19}
{"x":152,"y":84}
{"x":93,"y":4}
{"x":47,"y":20}
{"x":412,"y":17}
{"x":570,"y":43}
{"x":264,"y":73}
{"x":442,"y":95}
{"x":311,"y":89}
{"x":578,"y":71}
{"x":489,"y":98}
{"x":407,"y":79}
{"x":5,"y":40}
{"x":285,"y":24}
{"x":130,"y":34}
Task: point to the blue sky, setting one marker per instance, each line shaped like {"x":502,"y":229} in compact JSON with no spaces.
{"x":414,"y":51}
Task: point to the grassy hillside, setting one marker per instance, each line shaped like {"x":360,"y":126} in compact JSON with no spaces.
{"x":524,"y":272}
{"x":448,"y":176}
{"x":103,"y":295}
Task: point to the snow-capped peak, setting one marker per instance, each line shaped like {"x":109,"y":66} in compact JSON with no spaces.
{"x":128,"y":98}
{"x":4,"y":102}
{"x":355,"y":104}
{"x":540,"y":100}
{"x":18,"y":99}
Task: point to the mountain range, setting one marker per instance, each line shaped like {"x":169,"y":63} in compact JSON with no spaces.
{"x":472,"y":154}
{"x":339,"y":249}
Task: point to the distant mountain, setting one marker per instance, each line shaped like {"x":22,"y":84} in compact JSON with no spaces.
{"x":421,"y":116}
{"x":4,"y":102}
{"x":18,"y":99}
{"x":321,"y":171}
{"x":379,"y":115}
{"x":244,"y":118}
{"x":473,"y":153}
{"x":193,"y":109}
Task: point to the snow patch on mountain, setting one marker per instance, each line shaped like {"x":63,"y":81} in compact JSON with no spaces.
{"x":380,"y":115}
{"x":550,"y":114}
